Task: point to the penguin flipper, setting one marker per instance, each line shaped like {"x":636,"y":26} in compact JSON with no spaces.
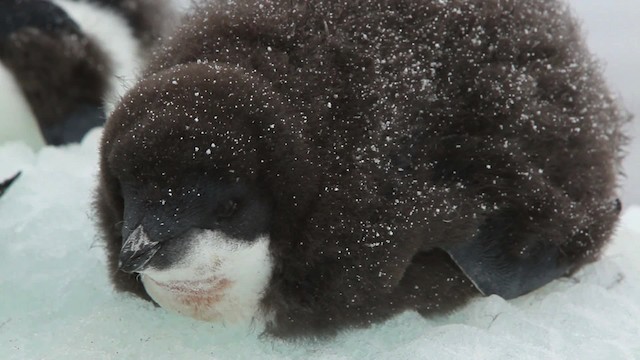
{"x":73,"y":127}
{"x":488,"y":260}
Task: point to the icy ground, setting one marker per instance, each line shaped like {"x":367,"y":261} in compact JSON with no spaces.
{"x":56,"y":302}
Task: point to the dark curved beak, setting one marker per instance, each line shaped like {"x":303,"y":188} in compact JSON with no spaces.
{"x":137,"y":250}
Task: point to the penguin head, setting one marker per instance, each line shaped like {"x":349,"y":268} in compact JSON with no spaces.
{"x":200,"y":245}
{"x":192,"y":171}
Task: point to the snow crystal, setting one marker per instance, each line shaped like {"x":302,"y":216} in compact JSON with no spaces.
{"x":57,"y":302}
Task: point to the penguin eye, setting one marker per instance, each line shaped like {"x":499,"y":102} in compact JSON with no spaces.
{"x":228,"y":209}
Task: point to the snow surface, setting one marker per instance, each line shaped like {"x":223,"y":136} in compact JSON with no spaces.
{"x":56,"y":301}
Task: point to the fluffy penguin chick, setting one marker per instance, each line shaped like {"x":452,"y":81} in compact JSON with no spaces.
{"x":328,"y":164}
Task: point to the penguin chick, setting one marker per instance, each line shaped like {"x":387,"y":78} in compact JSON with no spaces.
{"x":323,"y":165}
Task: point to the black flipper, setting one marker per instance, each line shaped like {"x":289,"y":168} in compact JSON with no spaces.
{"x":5,"y":184}
{"x":490,"y":263}
{"x":73,"y":128}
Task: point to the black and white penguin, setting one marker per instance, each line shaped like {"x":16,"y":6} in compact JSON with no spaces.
{"x":328,"y":164}
{"x":63,"y":62}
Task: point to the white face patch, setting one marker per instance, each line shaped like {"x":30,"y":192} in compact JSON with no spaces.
{"x":220,"y":279}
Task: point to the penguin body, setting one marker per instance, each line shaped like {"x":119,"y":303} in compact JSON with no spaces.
{"x":334,"y":163}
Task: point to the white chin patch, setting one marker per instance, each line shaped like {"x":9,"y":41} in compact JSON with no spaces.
{"x":220,"y":279}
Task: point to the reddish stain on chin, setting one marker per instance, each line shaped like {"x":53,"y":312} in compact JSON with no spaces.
{"x":205,"y":297}
{"x":199,"y":303}
{"x":197,"y":299}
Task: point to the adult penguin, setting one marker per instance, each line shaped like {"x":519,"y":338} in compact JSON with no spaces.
{"x":328,"y":164}
{"x":65,"y":58}
{"x":63,"y":63}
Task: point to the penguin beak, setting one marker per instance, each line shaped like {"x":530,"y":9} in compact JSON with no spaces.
{"x":137,"y":251}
